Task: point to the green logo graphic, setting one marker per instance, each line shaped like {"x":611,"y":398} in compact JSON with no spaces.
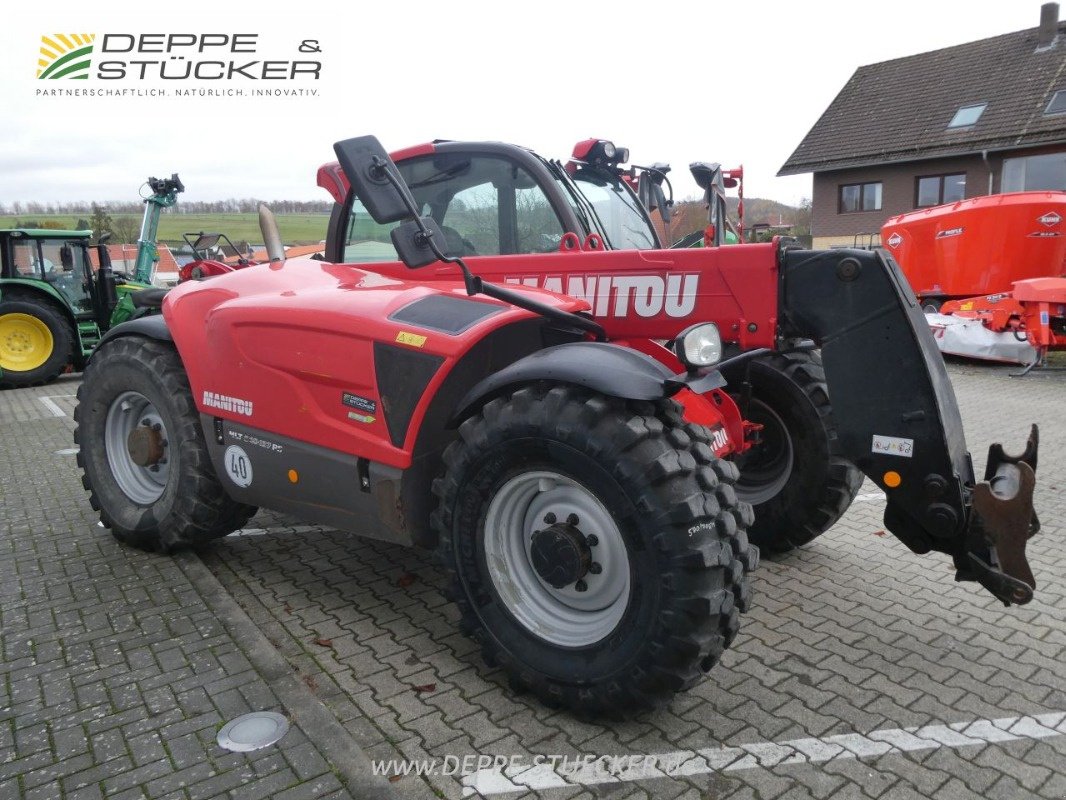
{"x":65,"y":55}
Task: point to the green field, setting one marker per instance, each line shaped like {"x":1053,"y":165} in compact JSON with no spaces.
{"x":295,"y":228}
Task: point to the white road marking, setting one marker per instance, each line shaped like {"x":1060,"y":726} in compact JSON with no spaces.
{"x":871,"y":497}
{"x":67,"y":451}
{"x":981,"y":732}
{"x":50,"y":403}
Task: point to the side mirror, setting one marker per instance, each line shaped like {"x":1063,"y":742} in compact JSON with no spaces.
{"x":705,"y":174}
{"x":365,"y":164}
{"x":412,"y":242}
{"x":384,"y":193}
{"x":205,"y":241}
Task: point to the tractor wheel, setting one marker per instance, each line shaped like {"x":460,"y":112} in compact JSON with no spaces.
{"x":36,"y":341}
{"x":142,"y":451}
{"x":796,"y":478}
{"x":595,"y":548}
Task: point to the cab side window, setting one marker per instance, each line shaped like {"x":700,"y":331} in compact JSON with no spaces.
{"x":485,"y":205}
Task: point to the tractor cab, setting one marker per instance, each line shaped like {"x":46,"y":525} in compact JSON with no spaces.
{"x":55,"y":261}
{"x":54,"y":305}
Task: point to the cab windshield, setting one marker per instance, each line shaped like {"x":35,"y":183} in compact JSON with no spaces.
{"x":609,"y":208}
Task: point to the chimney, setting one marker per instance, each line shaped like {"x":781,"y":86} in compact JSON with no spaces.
{"x":1049,"y":25}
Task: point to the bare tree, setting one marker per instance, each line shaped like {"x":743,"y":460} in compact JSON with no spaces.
{"x":126,"y":229}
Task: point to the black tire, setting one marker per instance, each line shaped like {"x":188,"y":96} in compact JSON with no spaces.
{"x":932,"y":305}
{"x":797,"y":480}
{"x":59,"y":327}
{"x":675,"y":509}
{"x":192,"y":507}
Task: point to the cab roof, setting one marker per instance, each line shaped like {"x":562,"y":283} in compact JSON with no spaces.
{"x":46,"y":233}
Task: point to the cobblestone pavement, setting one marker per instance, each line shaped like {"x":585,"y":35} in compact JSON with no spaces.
{"x":118,"y":667}
{"x":863,"y":671}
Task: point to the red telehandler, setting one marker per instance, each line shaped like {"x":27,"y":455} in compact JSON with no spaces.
{"x":797,"y":478}
{"x":576,"y":483}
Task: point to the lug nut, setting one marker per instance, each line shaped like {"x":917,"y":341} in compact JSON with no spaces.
{"x":581,"y":586}
{"x":592,"y":540}
{"x":572,"y":520}
{"x":549,"y":518}
{"x":595,"y":568}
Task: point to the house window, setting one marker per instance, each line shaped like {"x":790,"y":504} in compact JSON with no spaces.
{"x":967,"y":116}
{"x":1034,"y":173}
{"x":860,"y":197}
{"x":935,"y":190}
{"x":1057,"y":104}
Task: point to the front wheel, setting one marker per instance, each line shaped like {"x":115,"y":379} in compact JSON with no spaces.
{"x":796,"y":478}
{"x":36,"y":341}
{"x":142,"y":451}
{"x":596,"y":548}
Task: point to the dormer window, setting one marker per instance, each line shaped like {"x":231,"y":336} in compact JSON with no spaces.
{"x":1057,"y":104}
{"x":967,"y":116}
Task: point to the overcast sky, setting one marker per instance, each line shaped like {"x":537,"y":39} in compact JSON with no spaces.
{"x":674,"y":81}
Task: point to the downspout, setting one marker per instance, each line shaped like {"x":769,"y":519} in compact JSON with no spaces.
{"x":984,"y":157}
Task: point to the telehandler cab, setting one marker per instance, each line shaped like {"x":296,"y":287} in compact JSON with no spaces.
{"x":577,"y":489}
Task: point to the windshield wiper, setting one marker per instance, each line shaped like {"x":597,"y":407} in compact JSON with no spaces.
{"x":582,"y":206}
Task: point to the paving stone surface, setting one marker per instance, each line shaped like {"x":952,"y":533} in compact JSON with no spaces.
{"x":115,"y":675}
{"x":862,"y":671}
{"x":851,"y":635}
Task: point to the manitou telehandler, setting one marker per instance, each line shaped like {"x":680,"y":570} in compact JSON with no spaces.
{"x":54,"y":306}
{"x":797,"y":478}
{"x":576,"y":485}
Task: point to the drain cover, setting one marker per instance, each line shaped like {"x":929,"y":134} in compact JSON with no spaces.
{"x":253,"y":731}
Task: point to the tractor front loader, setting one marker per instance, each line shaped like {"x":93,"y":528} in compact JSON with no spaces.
{"x":577,"y":487}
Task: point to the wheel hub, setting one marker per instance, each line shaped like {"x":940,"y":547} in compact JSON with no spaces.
{"x":560,"y":555}
{"x":135,"y":440}
{"x":145,"y":446}
{"x":557,"y":558}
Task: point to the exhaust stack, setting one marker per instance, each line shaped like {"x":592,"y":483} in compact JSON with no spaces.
{"x":268,"y":225}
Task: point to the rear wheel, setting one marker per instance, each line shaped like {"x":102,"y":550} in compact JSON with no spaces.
{"x":796,"y":478}
{"x":36,"y":341}
{"x":142,"y":450}
{"x":596,"y":548}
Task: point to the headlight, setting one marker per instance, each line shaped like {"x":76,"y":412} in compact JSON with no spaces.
{"x":608,"y":150}
{"x":699,"y":346}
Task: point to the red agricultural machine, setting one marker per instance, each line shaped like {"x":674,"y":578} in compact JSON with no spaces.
{"x":510,"y":404}
{"x":979,"y":246}
{"x":993,"y":271}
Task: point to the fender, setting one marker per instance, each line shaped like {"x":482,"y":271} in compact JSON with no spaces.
{"x":613,"y":370}
{"x":152,"y":327}
{"x":606,"y":368}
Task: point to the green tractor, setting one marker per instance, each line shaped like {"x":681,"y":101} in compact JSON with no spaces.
{"x":54,"y":306}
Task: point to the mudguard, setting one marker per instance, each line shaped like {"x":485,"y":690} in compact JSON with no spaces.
{"x":618,"y":371}
{"x":606,"y":368}
{"x":153,"y":327}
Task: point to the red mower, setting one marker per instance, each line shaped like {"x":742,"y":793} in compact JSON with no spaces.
{"x":576,"y":477}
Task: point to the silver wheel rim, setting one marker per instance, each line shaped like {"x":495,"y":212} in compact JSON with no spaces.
{"x":566,"y":616}
{"x":130,"y":410}
{"x":764,"y":474}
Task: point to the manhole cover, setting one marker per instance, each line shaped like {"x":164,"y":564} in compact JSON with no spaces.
{"x":253,"y":731}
